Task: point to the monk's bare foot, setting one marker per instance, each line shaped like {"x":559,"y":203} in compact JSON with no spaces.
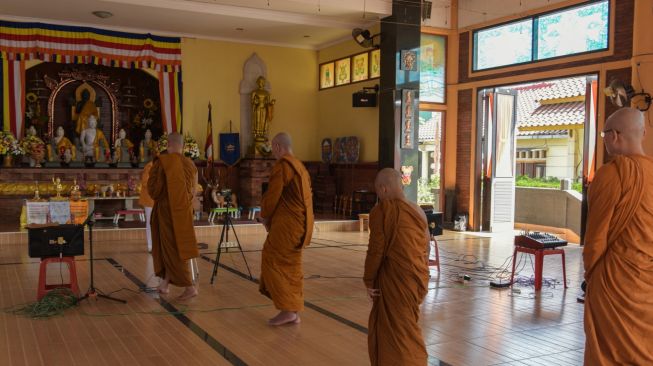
{"x":163,"y":287}
{"x":285,"y":317}
{"x":188,"y":293}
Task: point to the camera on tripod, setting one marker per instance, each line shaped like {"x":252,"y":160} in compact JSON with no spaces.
{"x":226,"y":194}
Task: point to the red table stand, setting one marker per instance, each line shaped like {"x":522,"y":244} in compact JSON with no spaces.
{"x":44,"y":288}
{"x":539,"y":263}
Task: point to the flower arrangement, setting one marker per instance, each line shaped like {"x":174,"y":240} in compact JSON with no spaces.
{"x":32,"y":146}
{"x":162,"y":143}
{"x":9,"y":145}
{"x":191,"y":148}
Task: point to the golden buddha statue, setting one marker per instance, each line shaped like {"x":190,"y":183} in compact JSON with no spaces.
{"x":60,"y":148}
{"x":262,"y":114}
{"x":94,"y":143}
{"x":84,"y":108}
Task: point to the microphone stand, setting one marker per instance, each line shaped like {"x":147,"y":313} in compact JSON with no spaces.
{"x":93,"y":292}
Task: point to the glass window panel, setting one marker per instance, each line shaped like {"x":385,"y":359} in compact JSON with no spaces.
{"x":432,"y":68}
{"x":576,"y":30}
{"x":504,"y":45}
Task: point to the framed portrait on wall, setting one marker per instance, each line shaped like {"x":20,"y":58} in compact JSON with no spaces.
{"x":360,"y":70}
{"x":327,"y":75}
{"x":408,"y":60}
{"x":409,"y":117}
{"x":343,"y":71}
{"x":375,"y":64}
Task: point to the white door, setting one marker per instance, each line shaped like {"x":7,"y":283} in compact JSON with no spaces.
{"x":502,"y":209}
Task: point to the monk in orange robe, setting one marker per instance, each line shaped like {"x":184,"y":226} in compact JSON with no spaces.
{"x":618,"y":253}
{"x":171,"y":185}
{"x":287,"y":212}
{"x":396,"y":275}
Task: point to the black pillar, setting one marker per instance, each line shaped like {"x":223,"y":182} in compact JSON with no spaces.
{"x":397,"y":147}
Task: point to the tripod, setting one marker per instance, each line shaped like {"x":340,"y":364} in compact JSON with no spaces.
{"x":92,"y":291}
{"x":226,"y":244}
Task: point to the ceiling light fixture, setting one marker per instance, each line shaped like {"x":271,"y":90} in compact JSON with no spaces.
{"x":240,"y":29}
{"x":307,"y":36}
{"x":102,"y":14}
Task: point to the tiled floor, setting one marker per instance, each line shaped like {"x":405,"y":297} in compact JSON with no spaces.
{"x":463,"y":323}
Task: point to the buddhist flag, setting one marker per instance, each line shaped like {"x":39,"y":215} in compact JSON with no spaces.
{"x":208,"y":147}
{"x":12,"y":96}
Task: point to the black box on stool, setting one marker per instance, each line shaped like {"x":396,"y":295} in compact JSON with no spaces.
{"x":50,"y":241}
{"x":435,"y":222}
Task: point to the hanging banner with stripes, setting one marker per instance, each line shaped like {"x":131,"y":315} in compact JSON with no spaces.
{"x":13,"y":96}
{"x":85,"y":45}
{"x":170,"y":93}
{"x":20,"y":41}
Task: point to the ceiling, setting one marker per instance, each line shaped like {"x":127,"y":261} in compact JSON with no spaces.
{"x":311,"y":24}
{"x":296,"y":23}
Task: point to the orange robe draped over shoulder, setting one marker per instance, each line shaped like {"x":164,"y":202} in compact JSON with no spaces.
{"x":618,"y":259}
{"x":396,"y":263}
{"x":288,"y":205}
{"x":172,"y":184}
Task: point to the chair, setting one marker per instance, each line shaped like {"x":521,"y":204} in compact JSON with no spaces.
{"x":252,"y":212}
{"x":232,"y":211}
{"x":44,"y":288}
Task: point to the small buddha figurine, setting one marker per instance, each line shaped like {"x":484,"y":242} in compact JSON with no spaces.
{"x":123,"y":148}
{"x":94,"y":144}
{"x":58,"y":187}
{"x":60,"y":148}
{"x":75,"y":193}
{"x":148,"y":148}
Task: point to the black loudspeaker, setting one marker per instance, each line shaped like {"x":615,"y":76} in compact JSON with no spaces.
{"x":362,"y":99}
{"x":435,"y":223}
{"x":67,"y":240}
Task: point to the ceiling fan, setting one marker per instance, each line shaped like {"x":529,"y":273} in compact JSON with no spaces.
{"x":621,"y":94}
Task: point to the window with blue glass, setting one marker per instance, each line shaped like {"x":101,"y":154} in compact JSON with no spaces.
{"x":571,"y":31}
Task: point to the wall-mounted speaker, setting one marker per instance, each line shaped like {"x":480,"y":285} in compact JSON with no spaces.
{"x":363,"y":99}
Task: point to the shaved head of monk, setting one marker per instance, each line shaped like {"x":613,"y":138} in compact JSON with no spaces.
{"x":624,"y":132}
{"x":388,"y":184}
{"x":281,"y":145}
{"x":175,"y":143}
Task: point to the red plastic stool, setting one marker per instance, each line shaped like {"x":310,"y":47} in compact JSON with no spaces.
{"x":539,"y":263}
{"x":44,"y":288}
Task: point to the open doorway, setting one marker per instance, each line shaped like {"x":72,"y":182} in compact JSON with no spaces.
{"x":535,"y":154}
{"x":430,"y":145}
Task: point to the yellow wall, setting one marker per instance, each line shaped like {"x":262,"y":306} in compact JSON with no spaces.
{"x":212,"y":71}
{"x":337,"y":117}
